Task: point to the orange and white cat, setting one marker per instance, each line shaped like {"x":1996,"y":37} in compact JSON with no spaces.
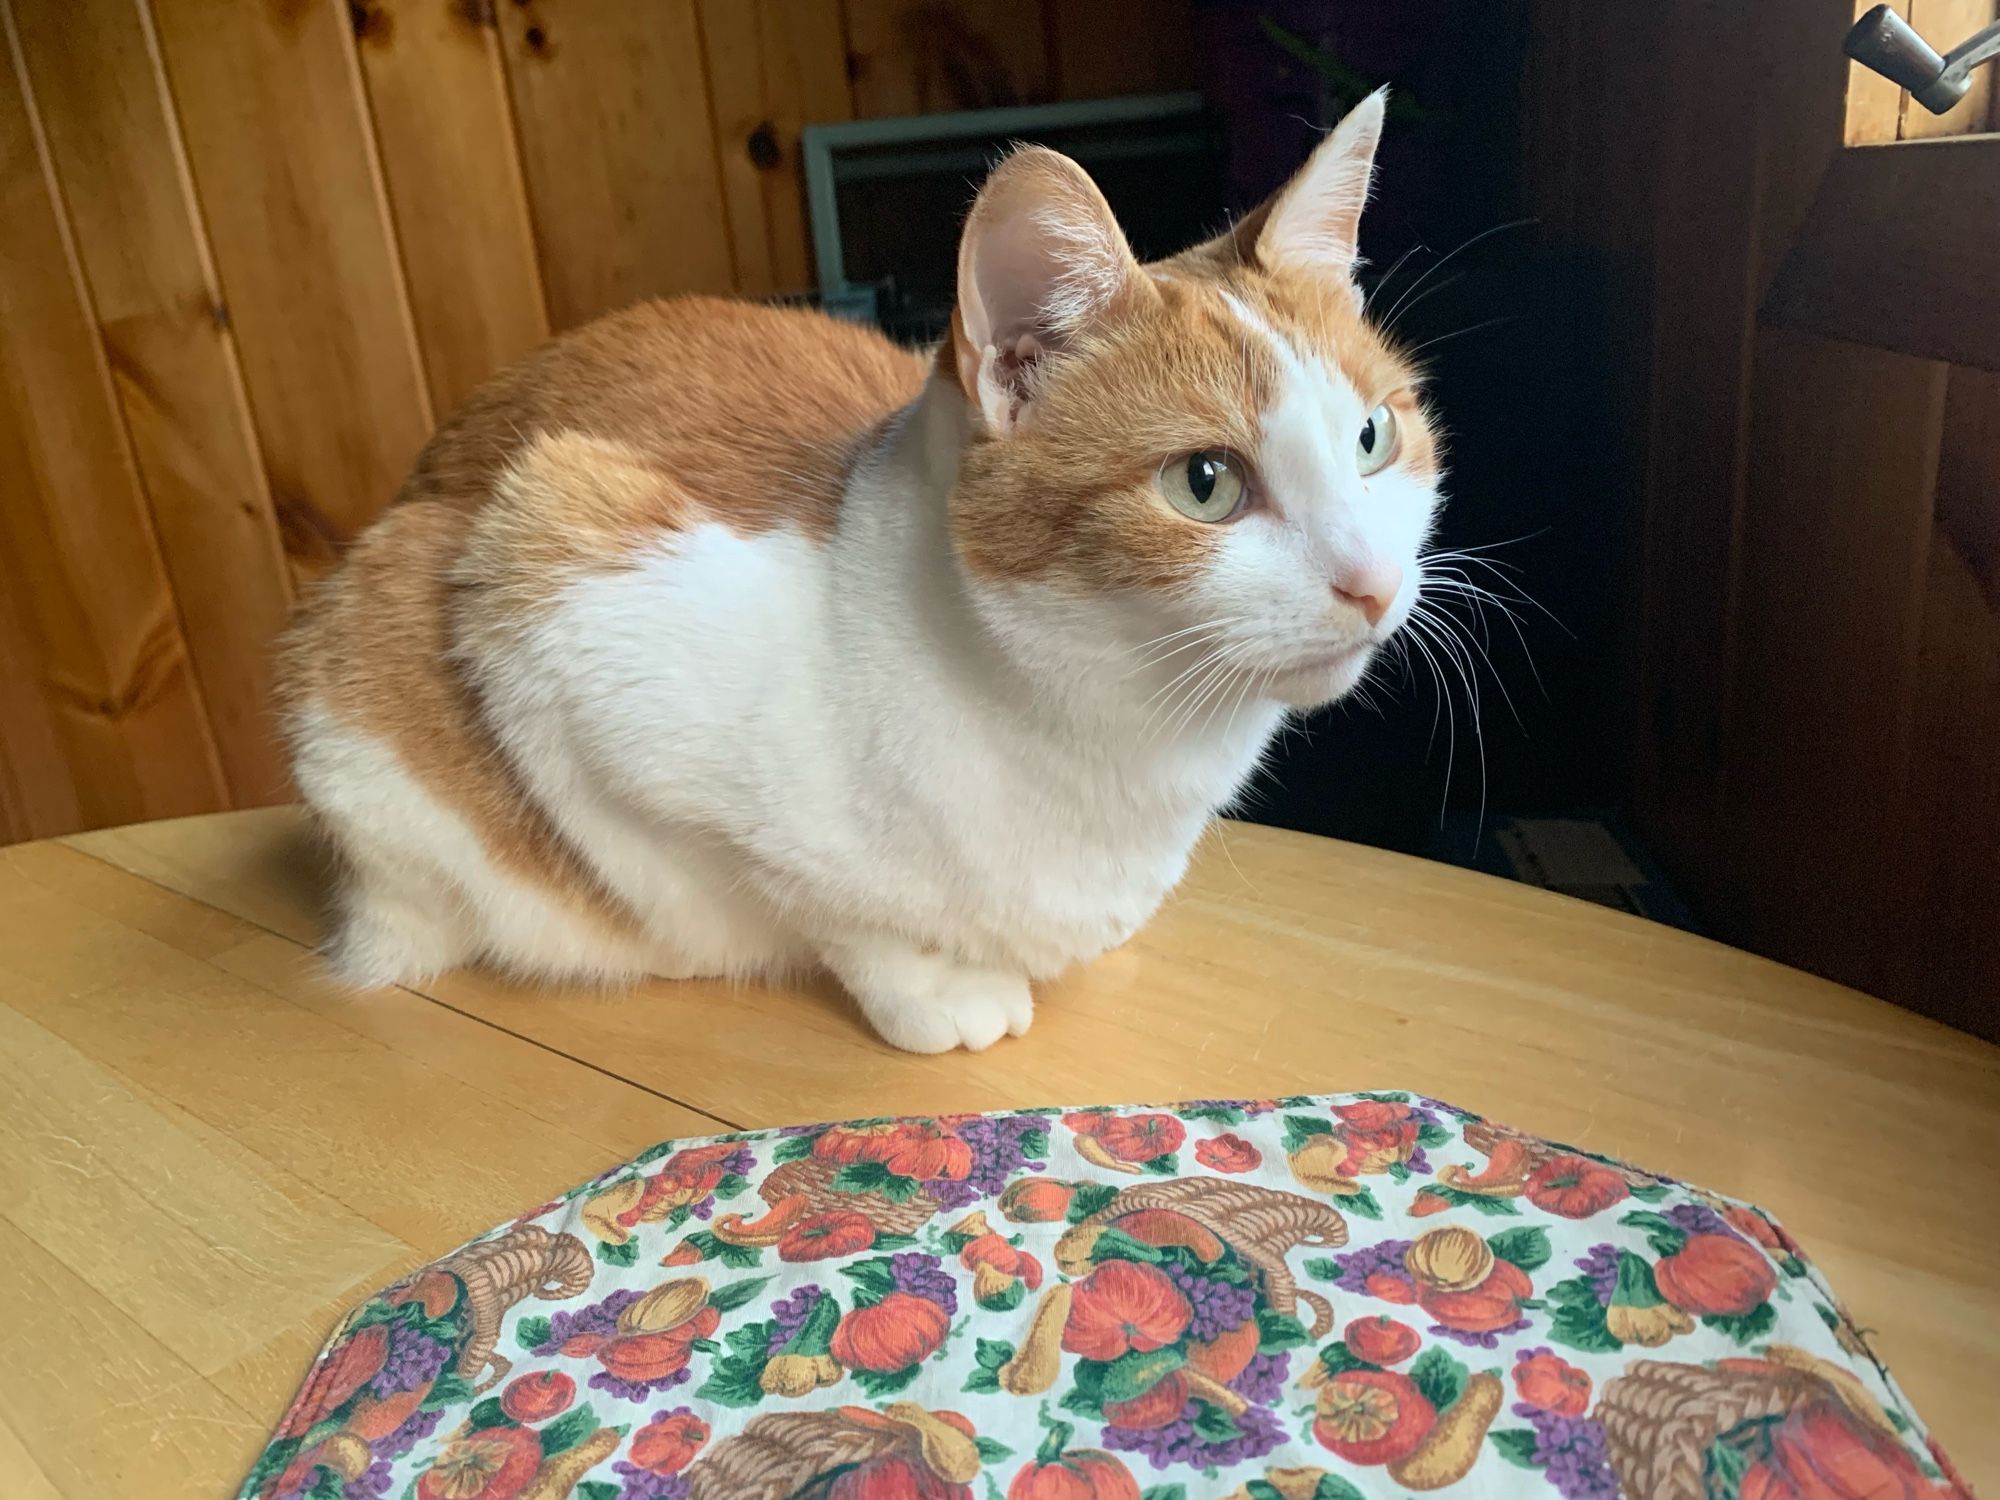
{"x":715,"y":639}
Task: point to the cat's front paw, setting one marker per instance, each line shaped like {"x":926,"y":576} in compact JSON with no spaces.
{"x":926,"y":1003}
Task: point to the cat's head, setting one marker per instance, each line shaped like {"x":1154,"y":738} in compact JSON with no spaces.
{"x":1219,"y":444}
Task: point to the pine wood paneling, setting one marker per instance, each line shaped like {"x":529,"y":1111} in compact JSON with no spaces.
{"x":774,"y":66}
{"x":438,"y":99}
{"x":1874,"y":105}
{"x":915,"y":57}
{"x":611,"y":108}
{"x":1836,"y":543}
{"x":284,"y":161}
{"x":1902,"y":249}
{"x":1944,"y":24}
{"x":115,"y":148}
{"x":1106,"y":47}
{"x":90,"y":598}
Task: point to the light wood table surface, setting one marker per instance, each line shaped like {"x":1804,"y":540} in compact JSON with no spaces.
{"x":207,"y":1151}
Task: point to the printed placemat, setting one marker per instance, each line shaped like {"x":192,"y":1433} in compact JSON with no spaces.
{"x":1313,"y":1298}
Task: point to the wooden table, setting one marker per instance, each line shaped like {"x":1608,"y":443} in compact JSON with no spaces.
{"x":207,"y":1151}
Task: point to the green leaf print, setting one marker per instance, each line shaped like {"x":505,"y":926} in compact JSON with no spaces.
{"x":1440,"y":1377}
{"x":597,"y":1489}
{"x":1333,"y":1487}
{"x":1362,"y":1204}
{"x":1086,"y":1392}
{"x":1662,"y":1234}
{"x":1034,"y":1145}
{"x":1277,"y":1332}
{"x":1579,"y":1320}
{"x":990,"y":1356}
{"x":1116,"y":1244}
{"x":792,"y":1148}
{"x":877,"y":1385}
{"x":487,"y":1414}
{"x":449,"y":1390}
{"x":1433,"y":1135}
{"x":1301,"y":1128}
{"x":1498,"y":1208}
{"x":532,"y":1333}
{"x":991,"y":1452}
{"x":626,"y":1254}
{"x":1636,"y":1287}
{"x":567,"y":1430}
{"x":1130,"y":1376}
{"x":1652,"y":1192}
{"x":1746,"y":1328}
{"x":1398,"y":1098}
{"x":1526,"y":1248}
{"x":736,"y":1257}
{"x":1516,"y":1445}
{"x":1091,"y":1198}
{"x":1165,"y":1492}
{"x":1162,"y":1166}
{"x":1323,"y":1268}
{"x":1336,"y":1358}
{"x":734,"y":1185}
{"x":653,"y":1153}
{"x":1214,"y":1425}
{"x":873,"y":1280}
{"x":733,"y":1379}
{"x":733,"y":1295}
{"x":873,"y":1177}
{"x":1006,"y":1299}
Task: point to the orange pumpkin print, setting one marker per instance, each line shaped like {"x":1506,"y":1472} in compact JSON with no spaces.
{"x":1821,"y":1454}
{"x":1575,"y":1187}
{"x":897,"y":1332}
{"x":1241,"y":1300}
{"x":1553,"y":1384}
{"x":1124,"y":1307}
{"x":1487,"y":1308}
{"x":1716,"y":1275}
{"x":1372,"y":1416}
{"x":496,"y":1463}
{"x":826,"y":1237}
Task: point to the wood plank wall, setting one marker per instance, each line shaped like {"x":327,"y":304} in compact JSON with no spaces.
{"x":252,"y":250}
{"x":1815,"y":626}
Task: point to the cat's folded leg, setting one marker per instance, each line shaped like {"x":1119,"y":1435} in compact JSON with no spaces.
{"x":928,"y":1002}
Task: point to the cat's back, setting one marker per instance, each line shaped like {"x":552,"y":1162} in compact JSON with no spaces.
{"x":644,"y":426}
{"x":753,"y":410}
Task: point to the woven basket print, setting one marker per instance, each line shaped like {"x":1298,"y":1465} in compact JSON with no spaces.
{"x":1353,"y":1297}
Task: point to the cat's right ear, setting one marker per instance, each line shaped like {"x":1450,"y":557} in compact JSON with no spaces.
{"x":1040,"y":259}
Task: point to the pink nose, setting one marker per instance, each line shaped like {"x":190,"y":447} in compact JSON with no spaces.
{"x":1371,"y":588}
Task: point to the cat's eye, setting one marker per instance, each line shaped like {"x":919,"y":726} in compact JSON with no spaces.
{"x":1380,"y":442}
{"x":1207,"y":486}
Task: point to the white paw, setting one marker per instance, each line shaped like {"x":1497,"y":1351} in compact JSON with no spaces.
{"x":927,"y":1004}
{"x":373,"y":950}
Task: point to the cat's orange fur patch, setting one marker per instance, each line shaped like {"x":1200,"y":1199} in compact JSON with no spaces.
{"x":753,"y":413}
{"x":374,"y":651}
{"x":654,"y":419}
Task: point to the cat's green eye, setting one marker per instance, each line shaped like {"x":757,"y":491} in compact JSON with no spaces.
{"x":1380,"y":442}
{"x":1207,"y":486}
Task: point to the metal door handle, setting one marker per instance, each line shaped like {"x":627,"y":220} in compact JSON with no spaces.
{"x":1883,"y":40}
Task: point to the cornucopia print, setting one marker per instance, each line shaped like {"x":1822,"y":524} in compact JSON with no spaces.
{"x":1310,"y":1298}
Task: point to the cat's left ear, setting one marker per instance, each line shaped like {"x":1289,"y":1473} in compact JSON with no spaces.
{"x":1315,"y":222}
{"x":1312,"y":225}
{"x":1041,"y":259}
